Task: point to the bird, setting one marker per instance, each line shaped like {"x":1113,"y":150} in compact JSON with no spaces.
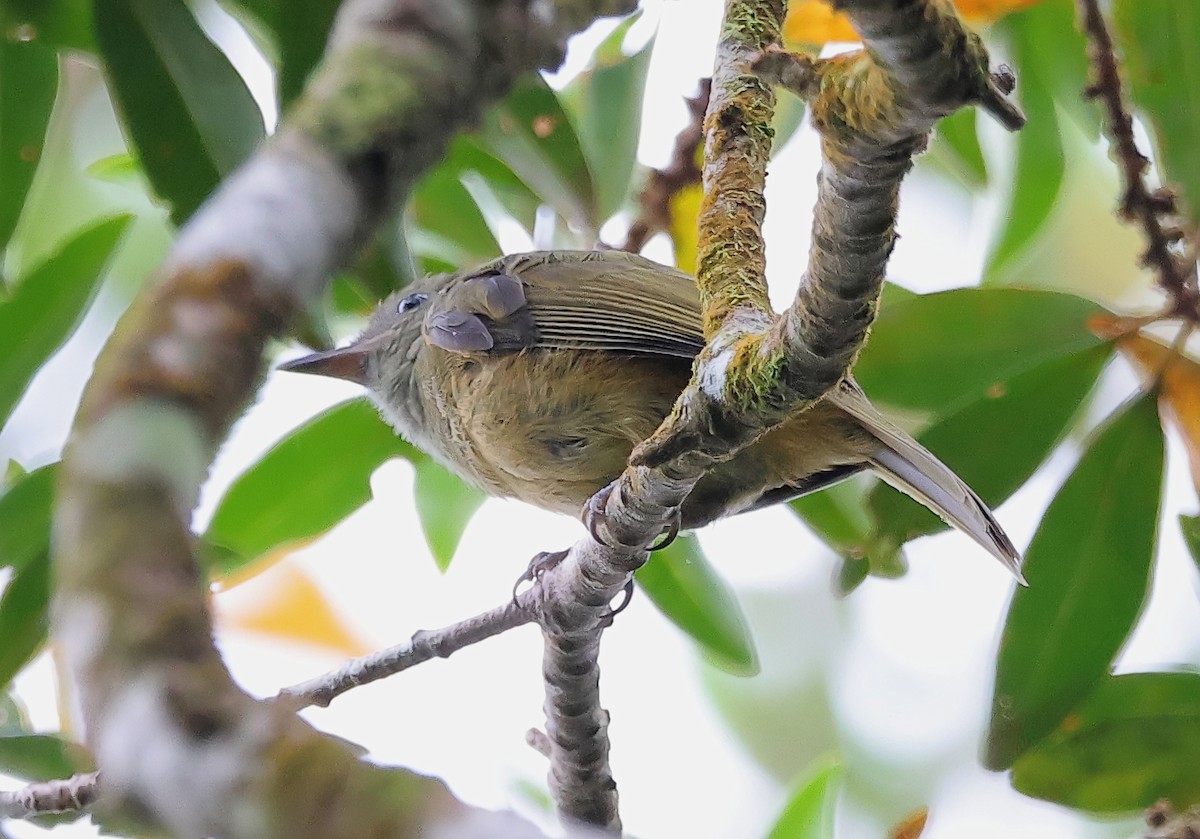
{"x":536,"y":374}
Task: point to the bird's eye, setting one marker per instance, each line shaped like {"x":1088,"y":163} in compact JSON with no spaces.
{"x":411,"y":302}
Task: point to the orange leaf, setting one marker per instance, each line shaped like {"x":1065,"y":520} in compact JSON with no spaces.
{"x":814,"y":22}
{"x":284,"y":603}
{"x":1179,"y":388}
{"x":911,"y":826}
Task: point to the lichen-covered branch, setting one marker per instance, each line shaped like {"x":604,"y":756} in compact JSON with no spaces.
{"x":1148,"y":208}
{"x":181,"y":747}
{"x":873,"y":109}
{"x":70,"y":795}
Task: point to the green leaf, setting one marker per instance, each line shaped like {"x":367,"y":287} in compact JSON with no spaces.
{"x":307,"y":483}
{"x":681,"y":582}
{"x":300,"y":29}
{"x":47,"y":305}
{"x":184,"y":105}
{"x":42,"y":757}
{"x":839,"y":516}
{"x":937,"y":352}
{"x":1022,"y":420}
{"x":531,"y":133}
{"x":1037,"y":177}
{"x":60,"y":24}
{"x":25,"y":518}
{"x":955,"y":149}
{"x":809,"y":813}
{"x":28,"y":81}
{"x":1190,"y":525}
{"x":1160,"y":40}
{"x":445,"y":506}
{"x":1089,"y":572}
{"x":1050,"y":55}
{"x":605,"y":102}
{"x":1133,"y":742}
{"x":120,"y":168}
{"x":467,"y":157}
{"x":24,"y":616}
{"x":13,"y":717}
{"x":441,"y":206}
{"x":318,"y":475}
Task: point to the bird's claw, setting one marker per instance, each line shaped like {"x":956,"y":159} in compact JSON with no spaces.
{"x":607,"y":620}
{"x":538,"y":566}
{"x":596,"y":511}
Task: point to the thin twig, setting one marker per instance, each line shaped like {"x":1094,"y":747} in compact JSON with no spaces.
{"x":1140,"y":204}
{"x":423,"y":646}
{"x":662,"y":185}
{"x":69,"y":795}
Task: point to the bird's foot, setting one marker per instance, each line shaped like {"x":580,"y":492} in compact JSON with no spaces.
{"x":607,"y":620}
{"x":595,"y":513}
{"x":538,"y":566}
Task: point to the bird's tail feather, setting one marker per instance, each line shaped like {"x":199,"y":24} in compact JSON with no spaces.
{"x":914,"y":470}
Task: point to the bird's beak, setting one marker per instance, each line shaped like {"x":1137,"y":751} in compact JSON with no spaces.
{"x":349,"y":363}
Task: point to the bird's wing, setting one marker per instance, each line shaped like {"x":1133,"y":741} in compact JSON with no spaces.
{"x":599,"y":300}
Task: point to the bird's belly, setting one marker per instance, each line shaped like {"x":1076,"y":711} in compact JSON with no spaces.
{"x":553,"y":427}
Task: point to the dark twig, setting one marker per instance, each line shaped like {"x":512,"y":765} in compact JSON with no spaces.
{"x":70,"y":795}
{"x":1139,"y":203}
{"x":423,"y":646}
{"x":663,"y":185}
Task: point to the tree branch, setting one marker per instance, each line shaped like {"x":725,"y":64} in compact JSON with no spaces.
{"x":423,"y":646}
{"x":1175,"y":275}
{"x":873,"y":109}
{"x":70,"y":795}
{"x":181,"y":747}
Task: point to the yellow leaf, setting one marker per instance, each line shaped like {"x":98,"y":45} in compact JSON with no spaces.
{"x":911,"y":826}
{"x":284,"y":603}
{"x":814,"y":22}
{"x":684,"y":231}
{"x":1178,"y":388}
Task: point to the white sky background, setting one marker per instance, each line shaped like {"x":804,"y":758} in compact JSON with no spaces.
{"x":910,"y":660}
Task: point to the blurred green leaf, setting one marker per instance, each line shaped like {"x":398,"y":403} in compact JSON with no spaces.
{"x":13,"y":718}
{"x":955,"y":149}
{"x":443,"y":207}
{"x":809,"y":813}
{"x":531,"y":133}
{"x":839,"y":516}
{"x":1133,"y":742}
{"x":24,"y":616}
{"x":1049,"y":53}
{"x":319,"y":474}
{"x":25,"y":518}
{"x":1089,"y":572}
{"x":788,"y":117}
{"x":120,"y":168}
{"x":184,"y":105}
{"x":937,"y":352}
{"x":605,"y":102}
{"x":467,"y":157}
{"x":47,"y":305}
{"x":299,"y":29}
{"x":1037,"y":174}
{"x":60,"y":24}
{"x":998,"y":441}
{"x":308,"y":482}
{"x":1190,"y":525}
{"x":445,"y":506}
{"x":681,"y":582}
{"x":28,"y":82}
{"x":1160,"y":41}
{"x":42,"y":757}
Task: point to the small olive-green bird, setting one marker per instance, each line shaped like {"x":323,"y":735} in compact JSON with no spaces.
{"x":535,"y":375}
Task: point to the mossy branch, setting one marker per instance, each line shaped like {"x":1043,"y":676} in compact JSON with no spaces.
{"x":182,"y":748}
